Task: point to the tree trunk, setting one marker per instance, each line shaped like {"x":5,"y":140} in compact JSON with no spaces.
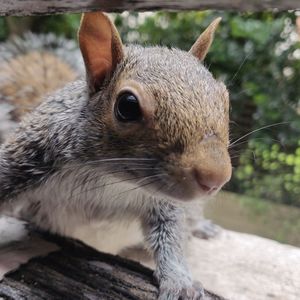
{"x":38,"y":7}
{"x":76,"y":271}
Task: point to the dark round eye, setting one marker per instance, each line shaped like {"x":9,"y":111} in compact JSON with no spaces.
{"x":127,"y":108}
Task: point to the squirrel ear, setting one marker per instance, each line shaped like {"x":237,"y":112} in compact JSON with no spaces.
{"x":203,"y":43}
{"x":101,"y":47}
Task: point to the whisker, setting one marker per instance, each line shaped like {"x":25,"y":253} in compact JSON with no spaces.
{"x":151,"y":176}
{"x":143,"y":179}
{"x":69,"y":165}
{"x":127,"y":158}
{"x":256,"y":130}
{"x":244,"y":142}
{"x":138,"y":187}
{"x":106,"y":184}
{"x":239,"y":69}
{"x":170,"y":186}
{"x":114,"y":172}
{"x":158,"y":189}
{"x":131,"y":162}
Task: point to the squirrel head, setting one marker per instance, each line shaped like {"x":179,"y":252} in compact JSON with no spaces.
{"x":159,"y":108}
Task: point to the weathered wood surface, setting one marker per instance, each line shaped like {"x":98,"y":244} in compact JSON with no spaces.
{"x":39,"y":7}
{"x":79,"y":272}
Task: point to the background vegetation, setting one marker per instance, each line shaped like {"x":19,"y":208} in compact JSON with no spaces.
{"x":258,"y":57}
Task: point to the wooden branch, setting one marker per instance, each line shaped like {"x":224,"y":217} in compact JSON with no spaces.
{"x":42,"y":7}
{"x":76,"y":271}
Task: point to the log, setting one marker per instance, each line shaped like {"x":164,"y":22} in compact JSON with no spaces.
{"x":43,"y":7}
{"x":76,"y":271}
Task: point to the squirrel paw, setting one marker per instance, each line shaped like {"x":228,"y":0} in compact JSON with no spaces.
{"x":206,"y":229}
{"x":176,"y":291}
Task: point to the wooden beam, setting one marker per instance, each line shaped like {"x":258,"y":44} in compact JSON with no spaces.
{"x":43,"y":7}
{"x":76,"y":271}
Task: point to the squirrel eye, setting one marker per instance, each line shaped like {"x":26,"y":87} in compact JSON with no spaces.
{"x":127,"y":108}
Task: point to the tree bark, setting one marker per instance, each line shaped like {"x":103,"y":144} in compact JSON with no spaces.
{"x":42,"y":7}
{"x":76,"y":271}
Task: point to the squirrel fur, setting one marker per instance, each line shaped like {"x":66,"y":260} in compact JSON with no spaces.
{"x":76,"y":162}
{"x":31,"y":67}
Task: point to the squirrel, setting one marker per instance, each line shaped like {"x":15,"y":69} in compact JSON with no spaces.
{"x":144,"y":133}
{"x":37,"y":64}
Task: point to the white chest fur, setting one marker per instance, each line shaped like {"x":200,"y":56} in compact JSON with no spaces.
{"x":110,"y":236}
{"x":99,"y":210}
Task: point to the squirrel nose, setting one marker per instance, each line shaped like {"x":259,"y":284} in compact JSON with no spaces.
{"x":210,"y":181}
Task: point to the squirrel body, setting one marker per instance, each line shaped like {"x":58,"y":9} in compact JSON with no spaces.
{"x":145,"y":132}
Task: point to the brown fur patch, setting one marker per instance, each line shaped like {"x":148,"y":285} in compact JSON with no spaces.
{"x":26,"y":79}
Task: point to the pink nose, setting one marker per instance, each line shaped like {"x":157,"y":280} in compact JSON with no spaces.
{"x":210,"y":181}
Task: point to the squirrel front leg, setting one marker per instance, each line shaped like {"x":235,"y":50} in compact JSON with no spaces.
{"x":165,"y":236}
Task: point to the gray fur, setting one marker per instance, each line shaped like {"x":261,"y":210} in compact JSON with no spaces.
{"x":66,"y":166}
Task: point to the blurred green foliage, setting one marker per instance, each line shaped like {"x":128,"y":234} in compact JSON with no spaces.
{"x":3,"y":29}
{"x":270,"y":172}
{"x":66,"y":25}
{"x":258,"y":56}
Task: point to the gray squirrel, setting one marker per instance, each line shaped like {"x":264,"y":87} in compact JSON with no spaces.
{"x":123,"y":150}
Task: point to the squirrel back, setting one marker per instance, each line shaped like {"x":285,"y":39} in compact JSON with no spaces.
{"x":31,"y":67}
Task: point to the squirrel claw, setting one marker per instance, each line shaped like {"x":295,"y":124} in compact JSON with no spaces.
{"x":173,"y":291}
